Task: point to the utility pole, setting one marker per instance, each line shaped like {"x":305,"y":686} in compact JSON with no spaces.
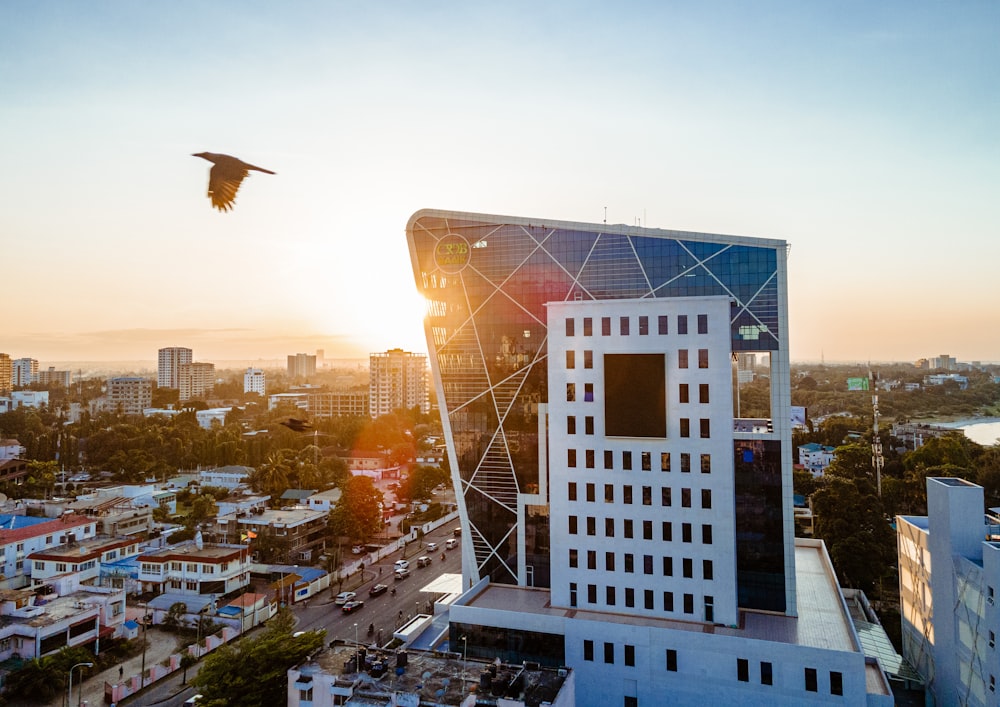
{"x":878,"y":461}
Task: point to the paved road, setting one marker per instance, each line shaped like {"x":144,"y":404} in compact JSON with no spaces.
{"x":382,"y":611}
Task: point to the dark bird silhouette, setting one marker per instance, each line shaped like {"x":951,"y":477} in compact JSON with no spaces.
{"x":296,"y":425}
{"x":225,"y":177}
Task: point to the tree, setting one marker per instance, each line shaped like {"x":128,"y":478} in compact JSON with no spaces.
{"x":172,"y":620}
{"x":188,"y":660}
{"x":253,"y":672}
{"x":851,"y":461}
{"x":358,"y":513}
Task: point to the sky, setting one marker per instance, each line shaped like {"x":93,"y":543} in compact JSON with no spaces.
{"x":867,"y":135}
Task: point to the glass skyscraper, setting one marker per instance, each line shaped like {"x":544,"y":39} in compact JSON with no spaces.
{"x":487,"y":280}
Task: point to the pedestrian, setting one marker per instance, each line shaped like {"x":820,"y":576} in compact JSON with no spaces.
{"x":121,"y":672}
{"x":380,"y":570}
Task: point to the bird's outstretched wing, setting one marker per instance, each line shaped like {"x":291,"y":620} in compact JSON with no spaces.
{"x":223,"y":182}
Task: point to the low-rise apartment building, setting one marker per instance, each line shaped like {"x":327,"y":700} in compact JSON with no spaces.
{"x":188,"y":569}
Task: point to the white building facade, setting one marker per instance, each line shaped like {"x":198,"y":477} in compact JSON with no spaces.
{"x":254,"y":381}
{"x":169,"y":362}
{"x":398,"y":379}
{"x":24,"y":371}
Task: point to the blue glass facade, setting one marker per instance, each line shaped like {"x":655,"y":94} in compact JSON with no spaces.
{"x":487,"y":279}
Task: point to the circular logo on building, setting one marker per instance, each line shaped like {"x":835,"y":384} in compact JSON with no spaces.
{"x":452,"y":253}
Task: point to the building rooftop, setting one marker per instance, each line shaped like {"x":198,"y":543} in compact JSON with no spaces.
{"x":88,"y":549}
{"x":191,"y":551}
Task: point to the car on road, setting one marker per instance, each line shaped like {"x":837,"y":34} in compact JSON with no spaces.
{"x":423,"y":561}
{"x":403,"y":573}
{"x":357,"y":550}
{"x":451,"y":544}
{"x":352,"y":606}
{"x":192,"y":700}
{"x":401,"y":565}
{"x":378,"y":589}
{"x":344,"y":597}
{"x":432,"y":547}
{"x":457,"y":531}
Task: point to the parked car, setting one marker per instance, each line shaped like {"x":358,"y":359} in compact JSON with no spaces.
{"x":432,"y":547}
{"x":423,"y":561}
{"x":402,"y":573}
{"x":352,"y":606}
{"x":457,"y":531}
{"x":401,"y":565}
{"x":378,"y":589}
{"x":192,"y":700}
{"x":451,"y":544}
{"x":357,"y":550}
{"x":344,"y":597}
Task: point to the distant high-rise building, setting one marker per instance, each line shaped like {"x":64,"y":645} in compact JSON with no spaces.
{"x":169,"y":362}
{"x":253,"y":381}
{"x":54,"y":377}
{"x":6,"y":372}
{"x":398,"y":379}
{"x":24,"y":371}
{"x":301,"y":365}
{"x":944,"y":361}
{"x":196,"y":380}
{"x":129,"y":395}
{"x":320,"y":358}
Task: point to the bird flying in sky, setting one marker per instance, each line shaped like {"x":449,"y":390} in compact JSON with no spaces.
{"x":225,"y":177}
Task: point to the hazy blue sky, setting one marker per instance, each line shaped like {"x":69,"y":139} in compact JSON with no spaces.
{"x":865,"y":134}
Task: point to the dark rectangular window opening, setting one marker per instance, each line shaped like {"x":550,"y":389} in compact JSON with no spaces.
{"x":623,"y":326}
{"x":662,"y":324}
{"x":588,"y":326}
{"x":570,"y":326}
{"x":671,"y":660}
{"x":811,"y":681}
{"x":588,"y":650}
{"x":609,"y":652}
{"x":605,"y":326}
{"x":635,"y":398}
{"x":643,"y":326}
{"x":743,"y":670}
{"x":702,"y":323}
{"x":682,"y":324}
{"x":766,"y":673}
{"x":836,"y":683}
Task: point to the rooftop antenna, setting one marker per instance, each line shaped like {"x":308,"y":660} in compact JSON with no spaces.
{"x":878,"y":461}
{"x":605,"y":214}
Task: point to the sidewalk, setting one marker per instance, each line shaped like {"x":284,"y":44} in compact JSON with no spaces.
{"x":161,"y":645}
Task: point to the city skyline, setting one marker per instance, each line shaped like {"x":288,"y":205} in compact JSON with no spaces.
{"x":864,"y":136}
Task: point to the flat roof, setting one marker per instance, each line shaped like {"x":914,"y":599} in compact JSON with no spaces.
{"x":822,"y":622}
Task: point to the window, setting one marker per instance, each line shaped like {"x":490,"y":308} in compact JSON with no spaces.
{"x":647,"y":463}
{"x":811,"y":685}
{"x":569,"y":327}
{"x":687,"y":568}
{"x":591,"y":492}
{"x":588,"y":392}
{"x":668,"y":601}
{"x":703,"y":392}
{"x":705,"y":428}
{"x":609,"y":596}
{"x":571,"y":458}
{"x":664,"y":461}
{"x":647,"y":564}
{"x":591,"y":525}
{"x":571,"y":491}
{"x":39,"y":565}
{"x":685,"y":498}
{"x":591,"y":559}
{"x":629,"y":563}
{"x":589,"y":456}
{"x":682,"y":358}
{"x":609,"y":493}
{"x":685,"y":532}
{"x":685,"y":463}
{"x":706,"y":463}
{"x":605,"y":326}
{"x":671,"y":660}
{"x":306,"y":695}
{"x":588,"y":650}
{"x":588,"y":359}
{"x":706,"y":498}
{"x":572,"y":594}
{"x":643,"y":326}
{"x":609,"y":561}
{"x":766,"y":673}
{"x":648,"y":597}
{"x":683,"y":393}
{"x":662,"y":324}
{"x":571,"y":359}
{"x":571,"y":392}
{"x":570,"y":425}
{"x":588,"y":326}
{"x":668,"y":531}
{"x":668,"y":567}
{"x":630,"y":701}
{"x":685,"y":427}
{"x":629,"y":655}
{"x":572,"y":525}
{"x":627,"y":528}
{"x":837,"y":683}
{"x":702,"y":323}
{"x":609,"y":652}
{"x":609,"y":527}
{"x":627,"y":461}
{"x":707,"y":571}
{"x":665,"y":496}
{"x":592,"y":593}
{"x":588,"y":425}
{"x":609,"y":459}
{"x":573,"y":558}
{"x":630,"y":597}
{"x":689,"y":603}
{"x":647,"y":529}
{"x":743,"y":670}
{"x":706,"y":534}
{"x":623,"y":326}
{"x":702,"y":358}
{"x":627,"y":495}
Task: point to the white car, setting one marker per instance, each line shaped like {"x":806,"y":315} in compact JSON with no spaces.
{"x":432,"y":547}
{"x":401,"y":565}
{"x":344,"y":597}
{"x":423,"y":561}
{"x":451,"y":544}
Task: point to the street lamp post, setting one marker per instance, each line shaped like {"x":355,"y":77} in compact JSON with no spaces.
{"x":465,"y":659}
{"x":69,"y":697}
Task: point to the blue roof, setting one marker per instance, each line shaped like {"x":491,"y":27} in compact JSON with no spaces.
{"x":130,"y":625}
{"x":308,"y":574}
{"x":9,"y":521}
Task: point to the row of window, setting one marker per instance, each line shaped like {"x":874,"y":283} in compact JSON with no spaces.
{"x":682,"y":359}
{"x":645,"y":458}
{"x":810,"y":675}
{"x":628,"y":565}
{"x":687,"y":600}
{"x":627,"y":495}
{"x":628,"y":529}
{"x":625,"y":325}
